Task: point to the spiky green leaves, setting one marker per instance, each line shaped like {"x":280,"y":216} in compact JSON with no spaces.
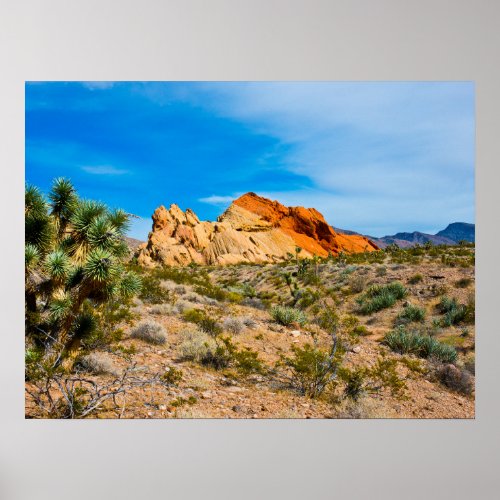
{"x":31,"y":256}
{"x":34,"y":202}
{"x":100,"y":266}
{"x":57,"y":265}
{"x":38,"y":229}
{"x":60,"y":306}
{"x":130,"y":285}
{"x":63,"y":201}
{"x":120,"y":220}
{"x":85,"y":214}
{"x":73,"y":257}
{"x":84,"y":325}
{"x":102,"y":234}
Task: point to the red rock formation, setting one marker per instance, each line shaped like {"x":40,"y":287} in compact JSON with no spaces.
{"x":252,"y":229}
{"x":307,"y":227}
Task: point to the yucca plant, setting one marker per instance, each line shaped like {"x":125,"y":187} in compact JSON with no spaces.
{"x":424,"y":346}
{"x":74,"y":254}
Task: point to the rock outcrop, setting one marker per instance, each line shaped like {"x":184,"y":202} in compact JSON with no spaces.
{"x":252,"y":229}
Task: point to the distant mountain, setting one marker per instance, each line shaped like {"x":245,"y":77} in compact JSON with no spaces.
{"x":132,"y":243}
{"x":459,"y":231}
{"x":454,"y":233}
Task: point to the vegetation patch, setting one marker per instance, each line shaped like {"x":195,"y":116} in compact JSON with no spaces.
{"x":378,"y":297}
{"x":410,"y":314}
{"x":288,"y":315}
{"x":424,"y":346}
{"x":150,"y":332}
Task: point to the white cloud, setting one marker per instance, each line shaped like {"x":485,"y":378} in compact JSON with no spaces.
{"x":104,"y":170}
{"x":381,"y":157}
{"x":218,"y":200}
{"x":98,"y":85}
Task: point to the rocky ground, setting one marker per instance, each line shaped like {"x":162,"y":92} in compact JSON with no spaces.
{"x":239,"y":302}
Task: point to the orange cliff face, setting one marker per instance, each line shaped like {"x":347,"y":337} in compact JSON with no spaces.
{"x":252,"y":229}
{"x":307,"y":227}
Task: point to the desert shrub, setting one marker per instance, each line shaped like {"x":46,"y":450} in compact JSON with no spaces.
{"x":410,"y":314}
{"x":287,"y":315}
{"x":416,"y":278}
{"x":206,"y":323}
{"x":361,"y":330}
{"x":361,"y":380}
{"x":162,"y":309}
{"x":459,"y":380}
{"x":381,"y":271}
{"x":233,"y":325}
{"x":413,"y":364}
{"x":357,"y":283}
{"x":150,"y":332}
{"x":220,"y":353}
{"x":455,"y":313}
{"x":306,"y":298}
{"x":424,"y":346}
{"x":245,"y":361}
{"x":378,"y":297}
{"x":108,"y":320}
{"x":152,"y":291}
{"x":181,"y":306}
{"x":354,"y":380}
{"x":234,"y":297}
{"x":254,"y":302}
{"x":244,"y":290}
{"x":210,"y":290}
{"x":463,"y":283}
{"x":195,"y":298}
{"x":196,"y":345}
{"x":249,"y":322}
{"x":97,"y":363}
{"x":470,"y":363}
{"x":312,"y":370}
{"x":172,"y":376}
{"x":74,"y":259}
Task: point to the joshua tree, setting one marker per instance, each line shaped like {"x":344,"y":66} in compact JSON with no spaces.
{"x":74,"y":250}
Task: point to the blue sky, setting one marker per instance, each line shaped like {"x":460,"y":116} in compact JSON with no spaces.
{"x":374,"y":157}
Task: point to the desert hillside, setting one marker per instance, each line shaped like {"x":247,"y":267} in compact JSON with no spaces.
{"x":254,"y":340}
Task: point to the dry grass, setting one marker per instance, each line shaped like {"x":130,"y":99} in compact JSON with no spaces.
{"x":150,"y":332}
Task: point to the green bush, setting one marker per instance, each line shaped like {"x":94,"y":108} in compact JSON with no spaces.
{"x":362,"y":380}
{"x":152,"y":291}
{"x":206,"y":323}
{"x":424,"y":346}
{"x":455,"y":313}
{"x":410,"y":314}
{"x":463,"y":283}
{"x":312,"y":370}
{"x":378,"y":297}
{"x":288,"y":315}
{"x":416,"y":278}
{"x":210,"y":290}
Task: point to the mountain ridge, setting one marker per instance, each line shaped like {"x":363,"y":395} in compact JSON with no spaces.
{"x":451,"y":235}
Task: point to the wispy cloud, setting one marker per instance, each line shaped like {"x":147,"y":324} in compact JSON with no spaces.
{"x":218,"y":200}
{"x":98,"y":85}
{"x":375,"y":157}
{"x":104,"y":170}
